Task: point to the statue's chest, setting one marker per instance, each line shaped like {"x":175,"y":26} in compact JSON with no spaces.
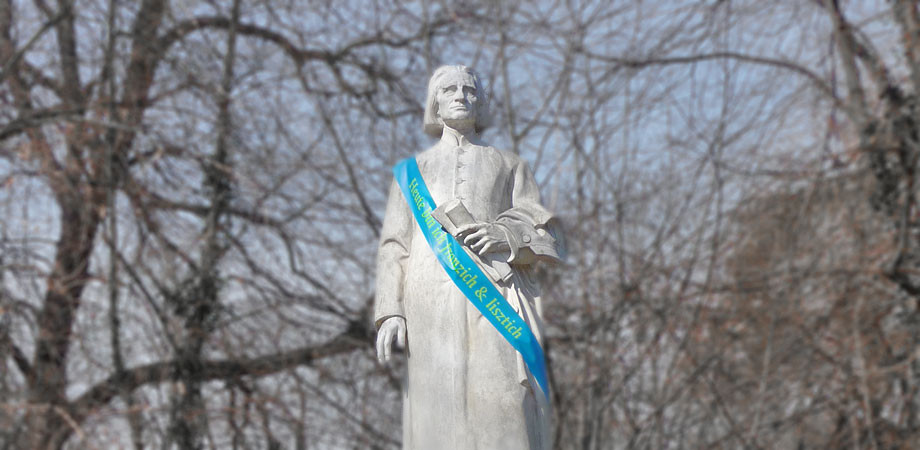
{"x":477,"y":176}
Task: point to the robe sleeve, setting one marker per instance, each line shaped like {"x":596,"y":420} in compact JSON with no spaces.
{"x":392,"y":257}
{"x":532,"y":231}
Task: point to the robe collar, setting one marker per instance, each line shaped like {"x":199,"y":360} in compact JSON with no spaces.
{"x":454,"y":138}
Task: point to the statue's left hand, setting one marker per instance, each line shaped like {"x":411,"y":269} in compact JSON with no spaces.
{"x":483,"y":237}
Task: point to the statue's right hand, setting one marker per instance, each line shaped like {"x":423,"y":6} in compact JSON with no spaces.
{"x":392,"y":327}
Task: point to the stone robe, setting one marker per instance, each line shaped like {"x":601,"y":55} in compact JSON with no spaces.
{"x":467,"y":388}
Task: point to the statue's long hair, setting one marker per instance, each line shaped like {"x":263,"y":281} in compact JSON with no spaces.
{"x":431,"y":123}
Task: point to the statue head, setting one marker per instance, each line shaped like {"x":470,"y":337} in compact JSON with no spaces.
{"x":455,"y":94}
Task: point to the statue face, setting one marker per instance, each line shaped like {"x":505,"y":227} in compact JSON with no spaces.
{"x":457,"y":97}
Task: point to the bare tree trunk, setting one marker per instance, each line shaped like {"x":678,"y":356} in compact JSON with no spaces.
{"x":199,"y":306}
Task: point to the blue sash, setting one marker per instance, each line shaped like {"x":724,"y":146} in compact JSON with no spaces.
{"x":468,"y":277}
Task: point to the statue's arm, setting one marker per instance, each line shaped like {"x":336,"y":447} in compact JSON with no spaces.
{"x":392,"y":257}
{"x":533,"y":233}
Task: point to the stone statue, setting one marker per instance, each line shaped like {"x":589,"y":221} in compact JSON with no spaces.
{"x":467,"y":387}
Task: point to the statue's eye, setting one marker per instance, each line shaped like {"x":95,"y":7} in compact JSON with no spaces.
{"x":449,"y":89}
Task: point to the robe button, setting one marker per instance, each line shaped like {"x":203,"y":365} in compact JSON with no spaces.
{"x":526,"y":238}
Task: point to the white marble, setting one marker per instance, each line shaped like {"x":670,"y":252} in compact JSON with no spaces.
{"x":467,"y":388}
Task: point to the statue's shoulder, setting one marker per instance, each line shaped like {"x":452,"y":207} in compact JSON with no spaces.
{"x":506,"y":155}
{"x":507,"y":159}
{"x":429,"y":156}
{"x":430,"y":152}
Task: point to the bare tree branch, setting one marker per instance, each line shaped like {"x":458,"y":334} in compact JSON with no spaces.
{"x":18,"y":356}
{"x":642,"y":63}
{"x":102,"y":393}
